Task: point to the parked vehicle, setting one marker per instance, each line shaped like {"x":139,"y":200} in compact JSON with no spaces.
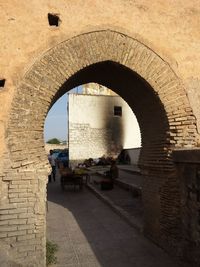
{"x":62,"y":158}
{"x":55,"y":154}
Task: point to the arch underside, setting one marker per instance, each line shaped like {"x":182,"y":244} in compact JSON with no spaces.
{"x":146,"y":83}
{"x":43,"y":84}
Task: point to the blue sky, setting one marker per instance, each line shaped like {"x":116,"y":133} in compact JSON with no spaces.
{"x":57,"y":118}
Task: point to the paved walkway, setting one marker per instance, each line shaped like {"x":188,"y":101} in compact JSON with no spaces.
{"x":126,"y":198}
{"x":90,"y":234}
{"x":124,"y":202}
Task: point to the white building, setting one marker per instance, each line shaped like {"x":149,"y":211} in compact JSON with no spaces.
{"x":100,"y":124}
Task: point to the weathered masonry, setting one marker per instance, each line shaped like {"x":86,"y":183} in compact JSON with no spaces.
{"x":97,"y":127}
{"x":148,"y":54}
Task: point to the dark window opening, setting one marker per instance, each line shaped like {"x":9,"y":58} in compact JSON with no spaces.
{"x":117,"y":111}
{"x":53,"y":19}
{"x":2,"y":82}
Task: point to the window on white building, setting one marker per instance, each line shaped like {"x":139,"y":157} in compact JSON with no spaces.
{"x":117,"y":111}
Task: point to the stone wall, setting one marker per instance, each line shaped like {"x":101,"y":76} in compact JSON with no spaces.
{"x":147,"y":51}
{"x":134,"y":155}
{"x":95,"y":131}
{"x":97,"y":89}
{"x":188,"y":164}
{"x":166,"y":121}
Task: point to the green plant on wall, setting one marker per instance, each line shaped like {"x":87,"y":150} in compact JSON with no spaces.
{"x":51,"y":249}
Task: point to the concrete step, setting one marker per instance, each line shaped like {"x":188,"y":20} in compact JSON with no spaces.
{"x":130,"y":178}
{"x":130,"y":169}
{"x":120,"y":210}
{"x":135,"y":189}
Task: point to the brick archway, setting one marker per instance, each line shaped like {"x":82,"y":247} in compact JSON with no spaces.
{"x":41,"y":87}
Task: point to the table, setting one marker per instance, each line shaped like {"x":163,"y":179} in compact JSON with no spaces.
{"x":83,"y":173}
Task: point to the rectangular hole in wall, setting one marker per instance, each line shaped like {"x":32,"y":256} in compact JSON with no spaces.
{"x":53,"y":19}
{"x":118,"y":111}
{"x":2,"y":82}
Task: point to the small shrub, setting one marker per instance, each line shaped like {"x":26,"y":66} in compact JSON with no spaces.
{"x":51,"y":249}
{"x":53,"y":141}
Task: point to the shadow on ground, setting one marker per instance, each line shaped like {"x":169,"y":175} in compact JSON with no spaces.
{"x":89,"y":233}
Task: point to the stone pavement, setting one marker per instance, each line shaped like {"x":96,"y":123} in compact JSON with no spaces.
{"x":89,"y":234}
{"x":127,"y":203}
{"x":124,"y":202}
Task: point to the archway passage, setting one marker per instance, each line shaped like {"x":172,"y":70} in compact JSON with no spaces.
{"x":138,"y":94}
{"x":150,"y":88}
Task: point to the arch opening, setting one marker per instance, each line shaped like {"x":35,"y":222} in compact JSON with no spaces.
{"x":142,"y":99}
{"x":155,"y":159}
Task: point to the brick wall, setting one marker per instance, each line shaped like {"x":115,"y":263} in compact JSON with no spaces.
{"x":154,"y":93}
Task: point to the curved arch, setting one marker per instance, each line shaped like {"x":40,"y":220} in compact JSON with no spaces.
{"x":60,"y":63}
{"x":174,"y":124}
{"x":138,"y":94}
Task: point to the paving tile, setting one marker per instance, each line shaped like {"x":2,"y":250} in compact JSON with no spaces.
{"x":90,"y":234}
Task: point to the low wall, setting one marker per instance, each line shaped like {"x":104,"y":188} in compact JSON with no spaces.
{"x":134,"y":154}
{"x":188,"y":166}
{"x":54,"y":146}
